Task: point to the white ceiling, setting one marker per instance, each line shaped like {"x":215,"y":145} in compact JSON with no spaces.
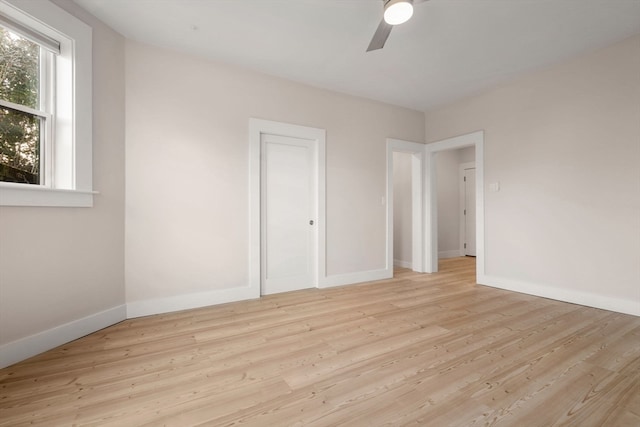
{"x":448,"y":50}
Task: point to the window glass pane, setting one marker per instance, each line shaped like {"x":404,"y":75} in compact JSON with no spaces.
{"x":19,"y":69}
{"x":20,"y":135}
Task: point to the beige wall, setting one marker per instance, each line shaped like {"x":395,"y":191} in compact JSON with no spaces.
{"x":187,"y":170}
{"x":564,"y":144}
{"x":58,"y":265}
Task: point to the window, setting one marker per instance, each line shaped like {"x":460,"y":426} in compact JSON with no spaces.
{"x":45,"y":106}
{"x":25,"y":110}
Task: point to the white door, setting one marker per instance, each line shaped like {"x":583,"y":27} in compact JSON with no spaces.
{"x":287,"y":221}
{"x":470,"y":212}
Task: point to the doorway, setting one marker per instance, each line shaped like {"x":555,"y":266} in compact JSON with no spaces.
{"x":468,"y":209}
{"x":402,"y":211}
{"x":286,"y":207}
{"x":475,"y":139}
{"x":415,"y":151}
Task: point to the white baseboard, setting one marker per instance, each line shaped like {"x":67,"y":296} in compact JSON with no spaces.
{"x":204,"y":299}
{"x":402,"y":264}
{"x":450,"y":254}
{"x":358,"y":277}
{"x":566,"y":295}
{"x":188,"y":301}
{"x":26,"y":347}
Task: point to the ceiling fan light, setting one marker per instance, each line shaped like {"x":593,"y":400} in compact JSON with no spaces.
{"x":398,"y":11}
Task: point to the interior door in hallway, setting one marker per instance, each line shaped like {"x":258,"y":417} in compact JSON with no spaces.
{"x":287,"y":206}
{"x":470,"y":211}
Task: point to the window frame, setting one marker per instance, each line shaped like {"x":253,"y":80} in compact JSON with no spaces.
{"x":68,"y":155}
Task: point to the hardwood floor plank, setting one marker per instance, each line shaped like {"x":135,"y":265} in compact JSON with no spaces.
{"x":415,"y":350}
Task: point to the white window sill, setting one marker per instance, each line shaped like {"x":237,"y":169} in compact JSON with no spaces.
{"x":36,"y":195}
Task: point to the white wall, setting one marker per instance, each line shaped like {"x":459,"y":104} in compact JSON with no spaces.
{"x":402,"y":210}
{"x":564,"y":144}
{"x":61,"y":266}
{"x":447,"y":168}
{"x":187,"y":170}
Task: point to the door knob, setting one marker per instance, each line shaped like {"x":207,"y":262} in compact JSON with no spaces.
{"x":310,"y":222}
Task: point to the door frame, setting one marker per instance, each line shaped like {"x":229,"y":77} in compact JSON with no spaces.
{"x":257,"y":128}
{"x":462,"y":189}
{"x":474,"y":139}
{"x":417,"y":151}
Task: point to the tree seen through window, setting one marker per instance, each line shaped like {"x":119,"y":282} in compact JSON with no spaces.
{"x":20,"y":130}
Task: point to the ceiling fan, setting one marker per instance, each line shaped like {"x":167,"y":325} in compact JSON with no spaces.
{"x":395,"y":12}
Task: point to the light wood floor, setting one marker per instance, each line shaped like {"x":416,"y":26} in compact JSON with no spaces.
{"x":421,"y":350}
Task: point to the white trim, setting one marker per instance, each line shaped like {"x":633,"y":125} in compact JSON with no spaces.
{"x":402,"y":264}
{"x":417,"y":151}
{"x":462,"y":141}
{"x":474,"y":139}
{"x":462,"y":203}
{"x":431,"y":215}
{"x":12,"y":194}
{"x":188,"y":301}
{"x":30,"y":34}
{"x":257,"y":127}
{"x":353,"y":278}
{"x":32,"y":345}
{"x":450,"y":254}
{"x":565,"y":295}
{"x":25,"y":109}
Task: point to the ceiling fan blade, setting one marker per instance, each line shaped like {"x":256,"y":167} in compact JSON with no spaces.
{"x":380,"y":36}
